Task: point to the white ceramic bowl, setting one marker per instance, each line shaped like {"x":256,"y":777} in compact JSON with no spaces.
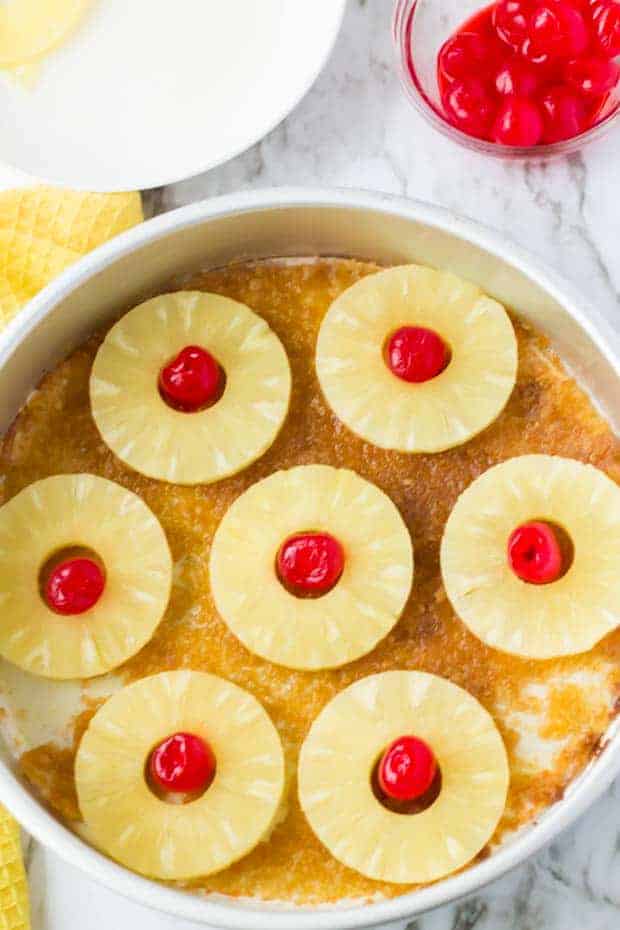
{"x":302,"y":223}
{"x":143,"y":94}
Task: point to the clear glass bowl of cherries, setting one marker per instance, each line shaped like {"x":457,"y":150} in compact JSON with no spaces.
{"x":517,"y":78}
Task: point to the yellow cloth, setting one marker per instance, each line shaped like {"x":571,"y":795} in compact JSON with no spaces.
{"x":14,"y":906}
{"x":43,"y":230}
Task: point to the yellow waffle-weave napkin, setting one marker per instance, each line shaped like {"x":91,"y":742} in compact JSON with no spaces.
{"x":14,"y":906}
{"x":43,"y":230}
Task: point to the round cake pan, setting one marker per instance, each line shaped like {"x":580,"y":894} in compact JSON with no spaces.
{"x":287,"y":222}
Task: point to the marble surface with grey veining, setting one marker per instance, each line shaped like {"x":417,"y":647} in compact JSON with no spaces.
{"x":355,"y":129}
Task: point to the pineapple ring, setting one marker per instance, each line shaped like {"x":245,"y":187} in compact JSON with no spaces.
{"x":438,"y":414}
{"x":175,"y":841}
{"x":357,"y":612}
{"x":190,"y":448}
{"x":341,"y":750}
{"x":65,"y":511}
{"x":565,"y":617}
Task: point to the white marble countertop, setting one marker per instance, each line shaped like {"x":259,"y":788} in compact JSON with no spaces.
{"x":356,"y":129}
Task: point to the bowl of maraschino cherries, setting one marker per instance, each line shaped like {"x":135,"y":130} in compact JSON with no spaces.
{"x":516,"y":78}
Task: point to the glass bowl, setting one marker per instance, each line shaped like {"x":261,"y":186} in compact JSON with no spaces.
{"x":420,"y":27}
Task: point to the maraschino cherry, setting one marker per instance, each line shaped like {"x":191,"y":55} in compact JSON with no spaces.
{"x":191,"y":381}
{"x":469,"y":105}
{"x":462,"y":51}
{"x":592,"y":76}
{"x":534,"y":553}
{"x":407,"y":769}
{"x":515,"y":78}
{"x":606,"y":17}
{"x":556,"y":30}
{"x":74,"y":586}
{"x":416,"y":354}
{"x":510,"y":20}
{"x":182,"y":764}
{"x":310,"y":564}
{"x":518,"y":122}
{"x":564,"y":114}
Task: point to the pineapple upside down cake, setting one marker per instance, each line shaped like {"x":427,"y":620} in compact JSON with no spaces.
{"x":319,"y":561}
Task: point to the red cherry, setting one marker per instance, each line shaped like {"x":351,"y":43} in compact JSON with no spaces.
{"x":74,"y":586}
{"x":191,"y":380}
{"x":564,"y":114}
{"x":407,"y":769}
{"x":465,"y":53}
{"x":556,"y":30}
{"x":469,"y":106}
{"x":510,"y":19}
{"x":607,"y":28}
{"x":416,"y":354}
{"x":534,"y":553}
{"x":310,"y":563}
{"x":518,"y":122}
{"x":592,"y":76}
{"x":516,"y":78}
{"x":182,"y":763}
{"x":601,"y":107}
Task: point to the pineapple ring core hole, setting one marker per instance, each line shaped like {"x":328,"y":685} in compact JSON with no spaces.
{"x":309,"y":564}
{"x":66,"y":554}
{"x":207,"y":766}
{"x":565,"y":545}
{"x":202,"y":389}
{"x":416,"y":354}
{"x":417,"y":805}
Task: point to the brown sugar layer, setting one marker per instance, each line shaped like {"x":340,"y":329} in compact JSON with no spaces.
{"x":551,"y":713}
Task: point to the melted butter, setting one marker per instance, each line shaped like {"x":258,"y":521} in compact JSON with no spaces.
{"x":30,"y":29}
{"x":25,"y":75}
{"x":562,"y":705}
